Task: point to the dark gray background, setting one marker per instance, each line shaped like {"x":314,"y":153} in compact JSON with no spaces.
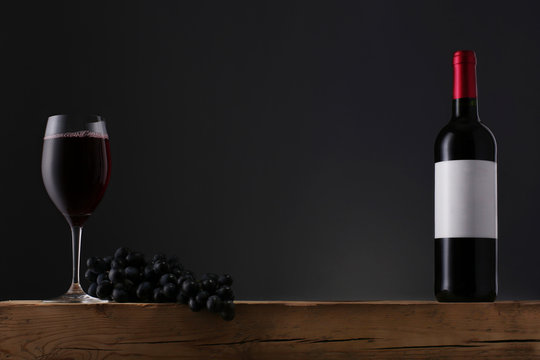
{"x":289,"y":144}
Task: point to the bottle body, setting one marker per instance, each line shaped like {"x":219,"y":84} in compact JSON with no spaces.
{"x":465,"y":203}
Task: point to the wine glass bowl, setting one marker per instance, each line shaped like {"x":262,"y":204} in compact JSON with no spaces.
{"x":76,"y":167}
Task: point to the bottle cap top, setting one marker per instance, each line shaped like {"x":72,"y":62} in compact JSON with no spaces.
{"x":464,"y":56}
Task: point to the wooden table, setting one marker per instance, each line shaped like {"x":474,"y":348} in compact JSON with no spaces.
{"x":272,"y":330}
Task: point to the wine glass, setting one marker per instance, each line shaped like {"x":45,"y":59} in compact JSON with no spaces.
{"x":76,"y":167}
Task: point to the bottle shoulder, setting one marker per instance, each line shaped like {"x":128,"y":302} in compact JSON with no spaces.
{"x":465,"y":140}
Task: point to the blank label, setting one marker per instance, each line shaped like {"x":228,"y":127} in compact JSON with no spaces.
{"x":466,"y":199}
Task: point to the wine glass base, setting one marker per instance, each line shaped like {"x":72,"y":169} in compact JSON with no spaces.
{"x":75,"y":298}
{"x":76,"y":294}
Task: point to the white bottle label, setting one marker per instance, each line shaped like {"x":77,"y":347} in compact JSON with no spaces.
{"x":466,"y":199}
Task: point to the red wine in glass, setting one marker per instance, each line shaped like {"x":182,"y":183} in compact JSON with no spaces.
{"x":76,"y":173}
{"x":76,"y":167}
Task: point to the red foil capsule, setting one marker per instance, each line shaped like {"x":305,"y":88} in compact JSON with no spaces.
{"x":464,"y":74}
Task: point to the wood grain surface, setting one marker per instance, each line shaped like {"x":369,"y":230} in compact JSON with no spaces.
{"x":272,"y":330}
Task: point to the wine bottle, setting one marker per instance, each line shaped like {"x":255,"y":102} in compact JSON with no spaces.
{"x":465,"y":196}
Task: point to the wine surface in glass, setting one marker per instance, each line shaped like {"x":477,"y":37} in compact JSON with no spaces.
{"x":76,"y":171}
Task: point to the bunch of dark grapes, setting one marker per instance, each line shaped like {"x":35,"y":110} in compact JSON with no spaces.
{"x":128,"y":277}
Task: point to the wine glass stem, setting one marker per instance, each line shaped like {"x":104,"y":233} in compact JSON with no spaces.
{"x":76,"y":235}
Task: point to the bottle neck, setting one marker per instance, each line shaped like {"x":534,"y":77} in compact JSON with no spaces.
{"x":465,"y":109}
{"x":465,"y":104}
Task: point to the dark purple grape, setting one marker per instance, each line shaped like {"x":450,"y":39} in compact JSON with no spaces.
{"x":148,"y":273}
{"x":118,"y":263}
{"x":135,"y":259}
{"x":116,"y":275}
{"x":104,"y":290}
{"x":90,"y":262}
{"x":100,"y":265}
{"x":101,"y":277}
{"x":145,"y":291}
{"x":190,"y":287}
{"x":227,"y":311}
{"x":90,"y":275}
{"x":95,"y":263}
{"x":194,"y":305}
{"x":188,"y":273}
{"x":202,"y":297}
{"x":184,"y":278}
{"x":161,"y":267}
{"x":170,"y":290}
{"x":132,"y":273}
{"x":167,"y":279}
{"x":225,"y":280}
{"x":159,"y":295}
{"x":121,"y":253}
{"x":107,"y":260}
{"x":127,"y":285}
{"x":227,"y":315}
{"x":176,"y":272}
{"x":225,"y":293}
{"x":213,"y":304}
{"x":158,"y":257}
{"x":209,"y":285}
{"x":174,"y":263}
{"x":212,"y":276}
{"x":120,"y":295}
{"x":119,"y":286}
{"x":92,"y":289}
{"x":182,"y":298}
